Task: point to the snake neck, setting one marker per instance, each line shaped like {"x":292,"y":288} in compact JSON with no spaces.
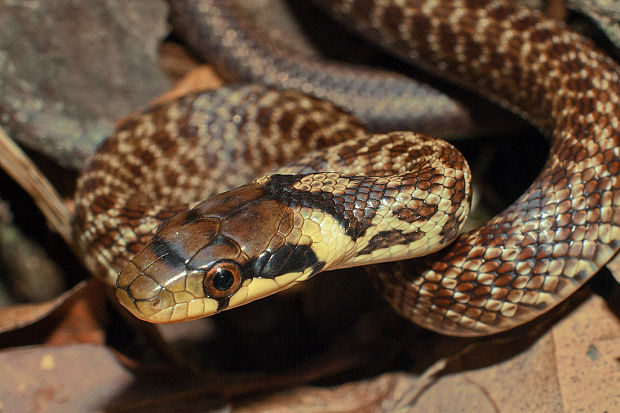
{"x":383,"y":100}
{"x":513,"y":55}
{"x":282,"y":229}
{"x":522,"y":263}
{"x":564,"y":227}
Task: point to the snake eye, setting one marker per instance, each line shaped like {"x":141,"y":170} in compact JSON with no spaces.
{"x":222,"y":280}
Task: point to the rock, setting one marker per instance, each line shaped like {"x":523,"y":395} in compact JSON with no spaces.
{"x":69,"y":69}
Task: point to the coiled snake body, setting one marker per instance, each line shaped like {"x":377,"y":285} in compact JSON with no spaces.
{"x":318,"y":213}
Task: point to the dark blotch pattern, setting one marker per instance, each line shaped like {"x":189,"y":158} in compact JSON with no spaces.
{"x":286,"y":259}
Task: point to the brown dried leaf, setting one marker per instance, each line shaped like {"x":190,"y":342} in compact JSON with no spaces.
{"x":572,"y":367}
{"x":202,"y":77}
{"x":21,"y":315}
{"x":19,"y":166}
{"x":525,"y":382}
{"x":77,"y":378}
{"x":371,"y":395}
{"x":587,"y":355}
{"x":176,"y":60}
{"x":614,"y":267}
{"x":83,"y":320}
{"x":557,"y":373}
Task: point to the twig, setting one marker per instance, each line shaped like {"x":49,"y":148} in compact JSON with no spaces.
{"x":17,"y":164}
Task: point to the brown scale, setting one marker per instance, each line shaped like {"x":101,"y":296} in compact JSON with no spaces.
{"x":557,"y":234}
{"x":383,"y":100}
{"x":562,"y":229}
{"x":116,"y":209}
{"x":246,"y":222}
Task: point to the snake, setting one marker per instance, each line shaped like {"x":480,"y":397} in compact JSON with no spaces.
{"x":157,"y":218}
{"x":382,"y":99}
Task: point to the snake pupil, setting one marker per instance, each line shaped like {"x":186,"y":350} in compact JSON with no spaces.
{"x":223,"y":280}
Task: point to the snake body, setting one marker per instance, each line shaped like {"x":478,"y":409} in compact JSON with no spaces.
{"x":383,"y":100}
{"x":517,"y":266}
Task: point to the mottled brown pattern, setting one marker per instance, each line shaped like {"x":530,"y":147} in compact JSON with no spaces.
{"x":161,"y":161}
{"x":284,"y":228}
{"x":385,"y":239}
{"x":219,"y":33}
{"x":521,"y":263}
{"x":567,"y":225}
{"x":418,"y":162}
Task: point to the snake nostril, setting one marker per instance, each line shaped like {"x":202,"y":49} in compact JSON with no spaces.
{"x":162,"y":301}
{"x":125,"y":298}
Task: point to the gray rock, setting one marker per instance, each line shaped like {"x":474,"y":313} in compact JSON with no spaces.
{"x":70,"y":68}
{"x":606,"y":13}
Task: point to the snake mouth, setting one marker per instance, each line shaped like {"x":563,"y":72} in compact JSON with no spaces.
{"x":142,"y":295}
{"x":148,"y":300}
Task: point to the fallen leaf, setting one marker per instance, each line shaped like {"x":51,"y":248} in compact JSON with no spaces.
{"x":176,"y":60}
{"x":370,"y":395}
{"x":200,"y":78}
{"x":84,"y":319}
{"x":77,"y":378}
{"x":614,"y":267}
{"x":18,"y":316}
{"x":587,"y":350}
{"x":572,"y":367}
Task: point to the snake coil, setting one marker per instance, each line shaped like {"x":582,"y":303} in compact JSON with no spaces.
{"x":319,"y":213}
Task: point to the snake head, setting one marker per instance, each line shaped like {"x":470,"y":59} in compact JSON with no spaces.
{"x":229,"y":250}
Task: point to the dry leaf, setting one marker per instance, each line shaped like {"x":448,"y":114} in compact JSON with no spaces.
{"x":84,"y":319}
{"x":556,"y":374}
{"x":21,"y":315}
{"x":78,"y":378}
{"x":200,"y":78}
{"x":573,"y":367}
{"x":370,"y":395}
{"x":614,"y":267}
{"x":176,"y":60}
{"x":587,"y":350}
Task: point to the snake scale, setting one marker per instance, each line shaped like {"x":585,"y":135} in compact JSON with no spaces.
{"x":384,"y":100}
{"x":370,"y":198}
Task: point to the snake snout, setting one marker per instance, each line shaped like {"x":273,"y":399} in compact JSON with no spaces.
{"x":155,"y":284}
{"x":143,"y":295}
